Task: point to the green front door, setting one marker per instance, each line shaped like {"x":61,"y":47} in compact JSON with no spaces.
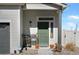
{"x":43,"y":33}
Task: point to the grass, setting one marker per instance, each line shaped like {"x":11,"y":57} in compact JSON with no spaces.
{"x":70,"y":46}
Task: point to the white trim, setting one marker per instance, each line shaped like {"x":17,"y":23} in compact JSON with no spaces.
{"x":9,"y":21}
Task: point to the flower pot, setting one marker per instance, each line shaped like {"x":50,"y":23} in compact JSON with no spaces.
{"x":37,"y":46}
{"x":51,"y":45}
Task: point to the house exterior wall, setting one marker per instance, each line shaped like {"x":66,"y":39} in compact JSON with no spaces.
{"x":12,"y":14}
{"x":32,"y":15}
{"x":19,"y":23}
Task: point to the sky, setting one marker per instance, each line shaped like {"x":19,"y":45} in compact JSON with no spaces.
{"x":70,"y":17}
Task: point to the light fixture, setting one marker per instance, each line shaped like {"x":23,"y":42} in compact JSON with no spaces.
{"x":30,"y":22}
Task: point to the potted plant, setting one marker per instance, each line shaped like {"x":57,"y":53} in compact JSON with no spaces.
{"x":37,"y":42}
{"x":37,"y":46}
{"x":57,"y":48}
{"x":51,"y":46}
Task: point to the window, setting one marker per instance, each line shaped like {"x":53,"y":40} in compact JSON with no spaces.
{"x":43,"y":25}
{"x":46,"y":18}
{"x":3,"y":25}
{"x":51,"y":29}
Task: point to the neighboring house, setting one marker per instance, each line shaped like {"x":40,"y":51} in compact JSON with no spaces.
{"x":69,"y":36}
{"x":42,"y":19}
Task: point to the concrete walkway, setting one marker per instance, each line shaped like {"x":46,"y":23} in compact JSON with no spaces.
{"x":40,"y":51}
{"x":45,"y":51}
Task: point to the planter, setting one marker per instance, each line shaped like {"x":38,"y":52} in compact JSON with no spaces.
{"x":51,"y":46}
{"x":37,"y":46}
{"x":57,"y":48}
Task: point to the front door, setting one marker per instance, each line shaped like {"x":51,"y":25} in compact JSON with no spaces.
{"x":43,"y":33}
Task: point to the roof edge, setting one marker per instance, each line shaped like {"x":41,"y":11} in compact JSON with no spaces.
{"x":64,"y":5}
{"x":12,"y":3}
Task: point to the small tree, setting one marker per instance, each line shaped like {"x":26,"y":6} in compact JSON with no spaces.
{"x":75,"y":31}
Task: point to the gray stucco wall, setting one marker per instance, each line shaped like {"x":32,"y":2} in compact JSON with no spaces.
{"x":32,"y":15}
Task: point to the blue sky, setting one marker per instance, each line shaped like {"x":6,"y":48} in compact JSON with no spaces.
{"x":70,"y":17}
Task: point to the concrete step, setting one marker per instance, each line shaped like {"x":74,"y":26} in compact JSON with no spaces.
{"x":44,"y":51}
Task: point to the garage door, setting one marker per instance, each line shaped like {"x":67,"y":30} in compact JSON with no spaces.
{"x":4,"y":38}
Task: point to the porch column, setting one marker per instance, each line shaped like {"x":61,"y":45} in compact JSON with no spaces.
{"x":60,"y":29}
